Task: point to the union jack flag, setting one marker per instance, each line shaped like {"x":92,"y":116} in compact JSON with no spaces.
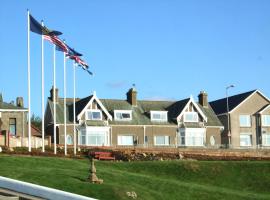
{"x":57,"y":41}
{"x":80,"y":62}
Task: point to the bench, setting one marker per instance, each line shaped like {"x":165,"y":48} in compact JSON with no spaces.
{"x":103,"y":155}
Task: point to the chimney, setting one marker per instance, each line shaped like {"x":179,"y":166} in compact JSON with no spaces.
{"x":203,"y":99}
{"x":1,"y":98}
{"x":19,"y":102}
{"x":132,"y":96}
{"x":56,"y":94}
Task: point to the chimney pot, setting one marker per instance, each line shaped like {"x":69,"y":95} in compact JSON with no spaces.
{"x":132,"y":96}
{"x":203,"y":99}
{"x":19,"y":102}
{"x":56,"y":94}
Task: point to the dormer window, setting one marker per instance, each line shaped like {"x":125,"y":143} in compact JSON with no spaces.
{"x":191,"y":117}
{"x":93,"y":115}
{"x":123,"y":115}
{"x":160,"y":116}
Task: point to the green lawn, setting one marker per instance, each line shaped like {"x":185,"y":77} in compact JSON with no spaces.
{"x":150,"y":180}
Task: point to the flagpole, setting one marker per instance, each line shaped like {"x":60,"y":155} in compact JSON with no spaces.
{"x":42,"y":87}
{"x":29,"y":82}
{"x":74,"y":108}
{"x":65,"y":109}
{"x":54,"y":100}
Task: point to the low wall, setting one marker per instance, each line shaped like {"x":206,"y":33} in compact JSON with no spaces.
{"x":38,"y":191}
{"x":13,"y":141}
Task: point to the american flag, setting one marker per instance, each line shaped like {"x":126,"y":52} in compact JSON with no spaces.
{"x":57,"y":41}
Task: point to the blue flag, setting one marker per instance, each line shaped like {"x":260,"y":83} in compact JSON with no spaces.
{"x":36,"y":27}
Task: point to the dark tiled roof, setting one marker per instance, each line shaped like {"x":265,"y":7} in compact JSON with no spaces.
{"x":4,"y":105}
{"x":140,"y":113}
{"x":220,"y":105}
{"x":176,"y":108}
{"x":212,"y":119}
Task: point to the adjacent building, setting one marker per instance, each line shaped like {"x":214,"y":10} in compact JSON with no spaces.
{"x":133,"y":122}
{"x":248,"y":119}
{"x":13,"y":117}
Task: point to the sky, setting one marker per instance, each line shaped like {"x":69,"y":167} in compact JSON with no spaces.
{"x":170,"y":49}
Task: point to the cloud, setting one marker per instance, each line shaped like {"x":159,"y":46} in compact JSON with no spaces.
{"x":116,"y":84}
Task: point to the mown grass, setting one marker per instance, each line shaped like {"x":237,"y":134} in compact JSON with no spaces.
{"x":149,"y":180}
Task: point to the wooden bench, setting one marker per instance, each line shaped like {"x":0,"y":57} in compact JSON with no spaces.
{"x":103,"y":155}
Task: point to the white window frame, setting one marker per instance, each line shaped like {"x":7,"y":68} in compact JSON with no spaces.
{"x":245,"y":125}
{"x":250,"y":137}
{"x":263,"y":121}
{"x":264,"y":139}
{"x":187,"y":137}
{"x":194,"y":113}
{"x":165,"y":113}
{"x":93,"y":110}
{"x":167,"y":140}
{"x":82,"y":133}
{"x":123,"y":112}
{"x":120,"y":141}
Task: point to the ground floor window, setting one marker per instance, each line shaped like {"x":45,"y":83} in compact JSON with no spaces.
{"x":94,"y":136}
{"x":162,"y":140}
{"x":266,"y":139}
{"x":12,"y":126}
{"x":245,"y":140}
{"x":69,"y":140}
{"x":192,"y":137}
{"x":82,"y":138}
{"x":125,"y":140}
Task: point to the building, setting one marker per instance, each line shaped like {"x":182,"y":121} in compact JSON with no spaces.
{"x":13,"y":118}
{"x":249,"y":119}
{"x":132,"y":122}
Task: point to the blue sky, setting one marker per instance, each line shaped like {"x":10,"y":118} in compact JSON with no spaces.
{"x":169,"y":49}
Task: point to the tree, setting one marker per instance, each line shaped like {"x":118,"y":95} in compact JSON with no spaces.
{"x":36,"y":121}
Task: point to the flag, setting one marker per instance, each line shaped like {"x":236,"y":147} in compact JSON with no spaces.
{"x":60,"y":45}
{"x":71,"y":51}
{"x":80,"y":62}
{"x":36,"y":27}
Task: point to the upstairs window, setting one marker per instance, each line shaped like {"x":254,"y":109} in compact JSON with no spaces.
{"x":245,"y":120}
{"x":160,"y":116}
{"x":93,"y":115}
{"x":265,"y":120}
{"x":191,"y":117}
{"x":123,"y":115}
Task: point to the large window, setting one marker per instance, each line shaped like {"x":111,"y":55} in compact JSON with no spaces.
{"x":96,"y":138}
{"x":12,"y":126}
{"x":125,"y":140}
{"x":122,"y":115}
{"x":194,"y":138}
{"x":191,"y":137}
{"x":245,"y":139}
{"x":162,"y":140}
{"x":159,"y":116}
{"x":191,"y":117}
{"x":245,"y":120}
{"x":93,"y":115}
{"x":265,"y":120}
{"x":266,"y":139}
